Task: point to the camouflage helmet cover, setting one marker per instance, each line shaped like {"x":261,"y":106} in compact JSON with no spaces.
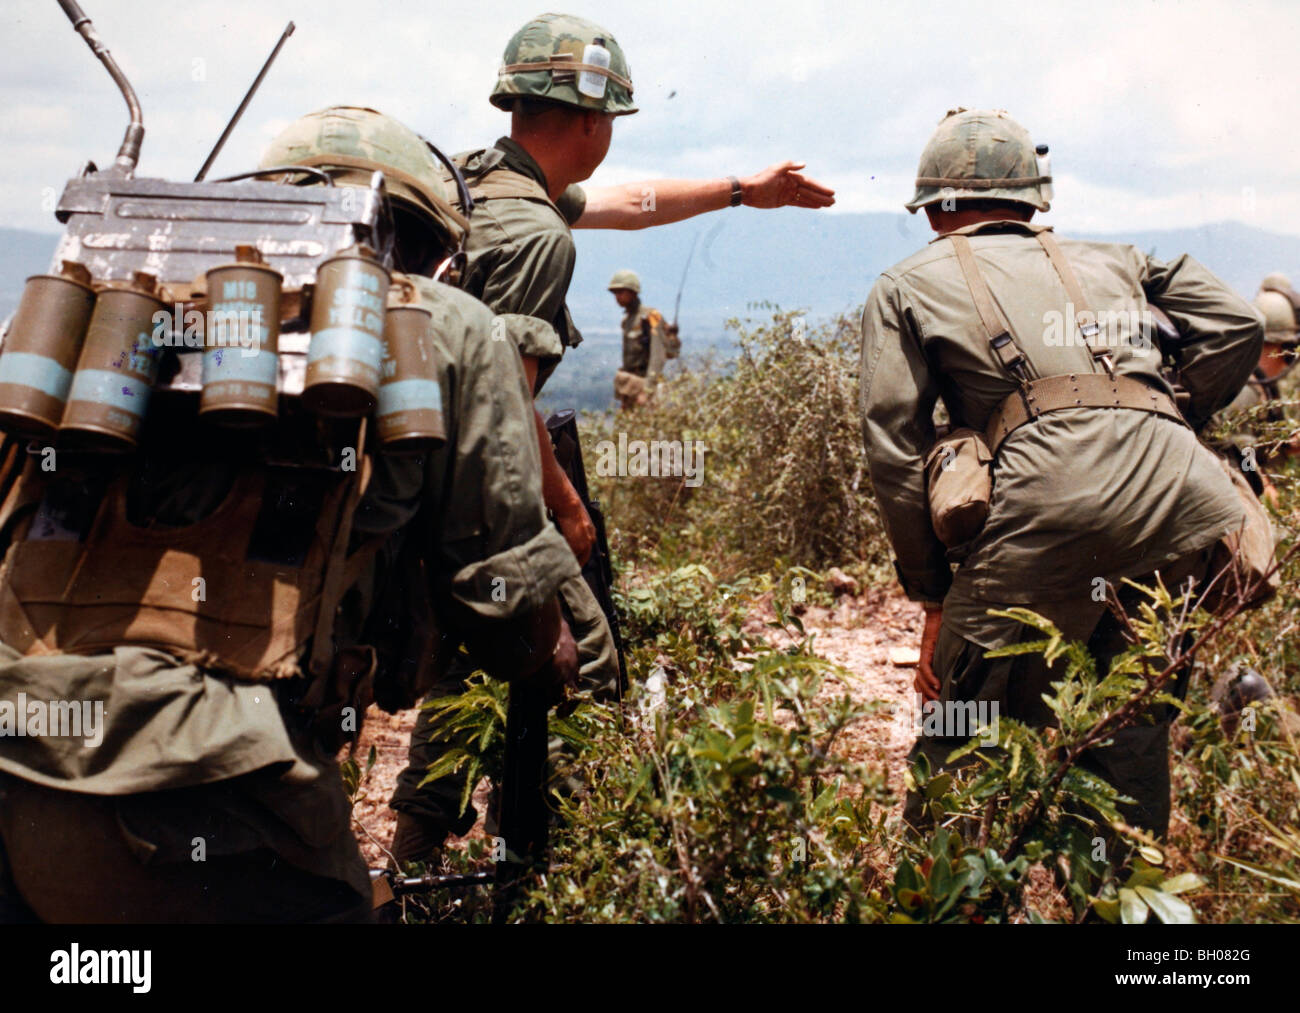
{"x":1275,"y":282}
{"x":352,"y":142}
{"x":625,"y":279}
{"x":979,"y":153}
{"x":1279,"y":317}
{"x":554,"y":43}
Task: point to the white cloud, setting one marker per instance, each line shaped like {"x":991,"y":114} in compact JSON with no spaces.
{"x":1158,"y":114}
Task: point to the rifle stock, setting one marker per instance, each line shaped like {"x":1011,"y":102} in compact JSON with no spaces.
{"x":523,"y":823}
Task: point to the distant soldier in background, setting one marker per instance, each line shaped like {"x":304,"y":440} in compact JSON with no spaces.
{"x":647,"y":344}
{"x":1279,"y":304}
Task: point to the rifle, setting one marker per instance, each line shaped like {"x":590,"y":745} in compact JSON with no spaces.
{"x":524,"y":817}
{"x":598,"y":571}
{"x":523,"y":825}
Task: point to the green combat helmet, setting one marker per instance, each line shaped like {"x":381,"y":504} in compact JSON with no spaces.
{"x":980,"y":153}
{"x":565,"y":59}
{"x":351,"y":142}
{"x":625,"y":279}
{"x":1279,"y":317}
{"x":1275,"y":282}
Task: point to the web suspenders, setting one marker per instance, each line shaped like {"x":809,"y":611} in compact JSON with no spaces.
{"x":1102,"y":388}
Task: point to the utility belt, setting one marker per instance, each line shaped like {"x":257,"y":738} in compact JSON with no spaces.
{"x":958,"y":467}
{"x":1075,"y":390}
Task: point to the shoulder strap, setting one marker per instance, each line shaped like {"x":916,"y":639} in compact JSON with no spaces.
{"x":501,"y":183}
{"x":341,"y":570}
{"x":1000,"y":340}
{"x":1084,"y":317}
{"x":995,"y":329}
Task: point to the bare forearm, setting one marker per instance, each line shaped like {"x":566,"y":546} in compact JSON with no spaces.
{"x":562,"y":499}
{"x":557,"y":491}
{"x":661,"y":201}
{"x":652,"y":202}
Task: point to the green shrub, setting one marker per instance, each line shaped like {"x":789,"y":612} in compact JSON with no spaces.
{"x":785,"y":472}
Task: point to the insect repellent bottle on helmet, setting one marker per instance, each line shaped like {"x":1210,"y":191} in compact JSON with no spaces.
{"x":1045,"y":170}
{"x":590,"y":83}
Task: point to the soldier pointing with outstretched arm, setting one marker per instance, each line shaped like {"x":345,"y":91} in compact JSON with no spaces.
{"x":564,"y":80}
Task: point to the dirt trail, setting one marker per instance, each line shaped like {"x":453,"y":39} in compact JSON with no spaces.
{"x":856,"y":633}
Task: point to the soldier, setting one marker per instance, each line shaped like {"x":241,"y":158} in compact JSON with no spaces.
{"x":1084,"y":494}
{"x":645,"y":342}
{"x":214,"y":794}
{"x":1276,"y":282}
{"x":564,"y":81}
{"x":526,"y":197}
{"x":1280,"y":308}
{"x":1273,"y":384}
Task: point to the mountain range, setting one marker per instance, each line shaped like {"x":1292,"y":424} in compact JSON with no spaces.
{"x":745,"y":261}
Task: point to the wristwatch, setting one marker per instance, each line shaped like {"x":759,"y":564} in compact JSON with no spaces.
{"x":737,"y":197}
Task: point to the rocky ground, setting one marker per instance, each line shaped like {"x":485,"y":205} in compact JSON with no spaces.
{"x":858,"y":633}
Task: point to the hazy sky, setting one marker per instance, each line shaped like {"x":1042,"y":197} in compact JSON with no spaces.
{"x":1158,"y":113}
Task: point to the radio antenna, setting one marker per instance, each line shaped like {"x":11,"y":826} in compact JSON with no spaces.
{"x":248,"y":97}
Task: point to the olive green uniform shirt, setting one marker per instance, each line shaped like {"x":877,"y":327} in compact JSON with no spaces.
{"x":1082,"y":493}
{"x":521,"y":251}
{"x":644,"y":341}
{"x":520,"y":256}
